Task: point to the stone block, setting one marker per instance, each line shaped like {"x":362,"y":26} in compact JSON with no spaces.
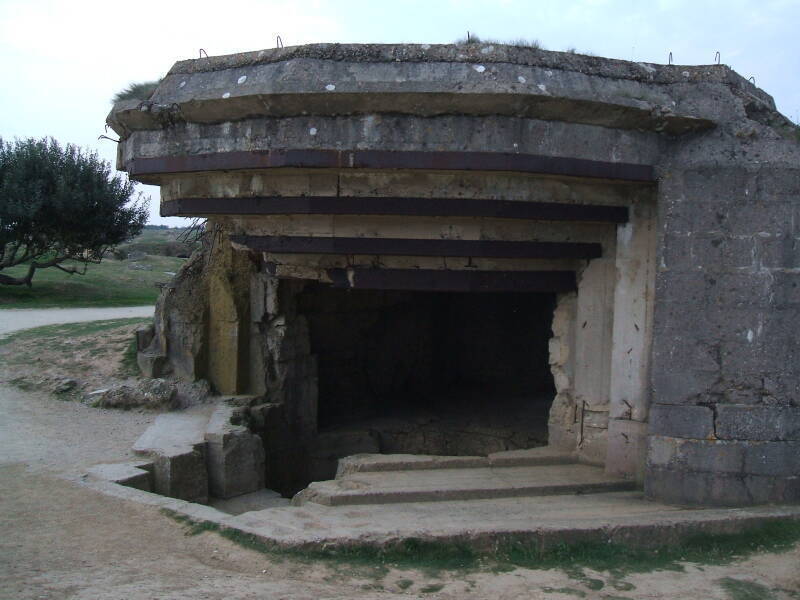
{"x":779,"y":252}
{"x":235,"y":456}
{"x":144,"y":336}
{"x":711,"y":456}
{"x":176,"y":445}
{"x":742,"y":290}
{"x":182,"y":475}
{"x":786,"y":288}
{"x":153,"y":366}
{"x":594,"y":446}
{"x":676,"y":486}
{"x":778,"y":459}
{"x":626,"y":448}
{"x":707,"y":252}
{"x":696,"y":422}
{"x":739,"y":252}
{"x":758,"y":423}
{"x":758,"y":219}
{"x":772,"y":489}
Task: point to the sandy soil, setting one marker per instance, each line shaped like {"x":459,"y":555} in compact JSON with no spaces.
{"x":59,"y":539}
{"x":87,"y":362}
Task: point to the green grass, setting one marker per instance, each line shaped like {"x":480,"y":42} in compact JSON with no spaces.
{"x":130,"y":366}
{"x":110,"y":283}
{"x":55,"y":334}
{"x":159,"y":242}
{"x":519,"y":42}
{"x":617,"y":559}
{"x":137,"y":91}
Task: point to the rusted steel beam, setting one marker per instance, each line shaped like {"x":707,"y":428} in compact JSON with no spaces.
{"x":380,"y":159}
{"x":423,"y":207}
{"x":418,"y":247}
{"x":454,"y":281}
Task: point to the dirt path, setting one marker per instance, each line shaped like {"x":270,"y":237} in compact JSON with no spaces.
{"x":61,"y":540}
{"x":13,"y":319}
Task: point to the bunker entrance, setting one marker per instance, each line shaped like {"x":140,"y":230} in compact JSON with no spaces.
{"x":429,"y":372}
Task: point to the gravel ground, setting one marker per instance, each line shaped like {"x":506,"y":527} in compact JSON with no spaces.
{"x":24,"y":318}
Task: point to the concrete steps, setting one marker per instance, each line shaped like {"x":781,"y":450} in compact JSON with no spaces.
{"x":369,"y":463}
{"x":454,"y":483}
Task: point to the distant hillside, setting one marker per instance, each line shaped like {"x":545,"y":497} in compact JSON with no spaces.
{"x":158,"y":240}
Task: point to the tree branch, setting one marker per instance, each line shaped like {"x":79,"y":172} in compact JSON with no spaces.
{"x":26,"y":280}
{"x":12,"y":260}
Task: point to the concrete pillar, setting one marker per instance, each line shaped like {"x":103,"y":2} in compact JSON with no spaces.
{"x":630,"y":350}
{"x":593,"y":333}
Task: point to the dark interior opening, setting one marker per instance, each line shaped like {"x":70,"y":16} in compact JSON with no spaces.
{"x":430,"y":372}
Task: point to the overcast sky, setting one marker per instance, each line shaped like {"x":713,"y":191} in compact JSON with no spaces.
{"x":63,"y":60}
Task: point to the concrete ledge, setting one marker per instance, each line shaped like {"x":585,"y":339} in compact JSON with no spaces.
{"x":619,"y":517}
{"x":138,"y":475}
{"x":321,"y":86}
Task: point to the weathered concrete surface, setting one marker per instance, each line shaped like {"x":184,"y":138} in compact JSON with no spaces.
{"x":179,"y":326}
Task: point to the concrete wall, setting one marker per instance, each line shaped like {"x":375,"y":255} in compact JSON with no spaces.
{"x":725,"y":424}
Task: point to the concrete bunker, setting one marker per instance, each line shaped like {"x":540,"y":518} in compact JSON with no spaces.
{"x":364,"y":203}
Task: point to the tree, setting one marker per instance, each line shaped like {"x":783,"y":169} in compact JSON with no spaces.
{"x":61,"y":204}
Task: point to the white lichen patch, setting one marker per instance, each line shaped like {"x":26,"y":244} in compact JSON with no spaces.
{"x":521,"y":79}
{"x":330,"y":87}
{"x":312,"y":131}
{"x":241,"y":79}
{"x":487,"y":49}
{"x":542,"y":87}
{"x":479,"y":68}
{"x":226,"y":95}
{"x":182,"y":83}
